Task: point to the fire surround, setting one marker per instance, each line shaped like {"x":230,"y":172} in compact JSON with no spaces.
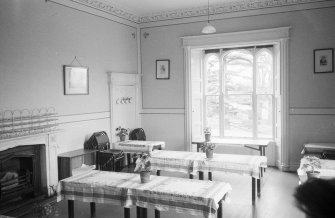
{"x":48,"y":156}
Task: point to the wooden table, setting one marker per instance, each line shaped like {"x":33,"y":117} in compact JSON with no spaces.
{"x":69,"y":161}
{"x":317,"y":148}
{"x":195,"y":162}
{"x":254,"y":144}
{"x":164,"y":193}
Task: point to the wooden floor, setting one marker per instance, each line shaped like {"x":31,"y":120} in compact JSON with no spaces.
{"x":276,"y":200}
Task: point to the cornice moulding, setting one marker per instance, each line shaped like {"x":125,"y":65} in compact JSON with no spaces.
{"x":228,"y":7}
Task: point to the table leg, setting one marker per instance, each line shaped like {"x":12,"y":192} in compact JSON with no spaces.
{"x":264,"y":155}
{"x":70,"y":208}
{"x":126,"y":212}
{"x":253,"y":194}
{"x":259,"y":187}
{"x":199,"y":146}
{"x":128,"y":159}
{"x":201,"y":175}
{"x":157,"y":213}
{"x":220,"y":210}
{"x":210,"y":176}
{"x":92,"y":206}
{"x":158,"y":172}
{"x":138,"y":212}
{"x":144,"y":212}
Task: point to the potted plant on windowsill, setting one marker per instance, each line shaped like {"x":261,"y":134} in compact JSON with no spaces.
{"x":122,"y":132}
{"x":209,"y":149}
{"x":208,"y":133}
{"x":311,"y":164}
{"x":143,"y":166}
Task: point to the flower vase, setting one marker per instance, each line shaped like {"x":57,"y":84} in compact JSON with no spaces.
{"x":145,"y":176}
{"x":209,"y":153}
{"x":207,"y":137}
{"x":313,"y":174}
{"x":122,"y":138}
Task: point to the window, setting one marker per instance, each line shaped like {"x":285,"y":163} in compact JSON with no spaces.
{"x":239,"y":92}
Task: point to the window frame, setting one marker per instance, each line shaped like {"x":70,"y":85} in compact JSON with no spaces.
{"x":220,"y":54}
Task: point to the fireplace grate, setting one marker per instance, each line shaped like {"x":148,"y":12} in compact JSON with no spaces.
{"x":16,"y":187}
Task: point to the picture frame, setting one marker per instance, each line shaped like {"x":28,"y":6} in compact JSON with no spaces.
{"x":163,"y":69}
{"x":76,"y":80}
{"x":324,"y":60}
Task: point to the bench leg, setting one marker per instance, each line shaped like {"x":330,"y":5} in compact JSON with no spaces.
{"x":253,"y":191}
{"x":70,"y":208}
{"x":92,"y":206}
{"x":210,"y":176}
{"x":126,"y":212}
{"x":157,"y":213}
{"x":158,"y":172}
{"x":191,"y":176}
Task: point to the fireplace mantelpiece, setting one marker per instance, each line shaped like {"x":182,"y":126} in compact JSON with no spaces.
{"x":49,"y":171}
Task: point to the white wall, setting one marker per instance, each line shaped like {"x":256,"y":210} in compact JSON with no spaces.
{"x":36,"y":39}
{"x":311,"y":29}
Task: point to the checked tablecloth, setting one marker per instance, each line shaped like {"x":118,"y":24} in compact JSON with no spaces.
{"x":138,"y":146}
{"x":193,"y":162}
{"x":164,"y":193}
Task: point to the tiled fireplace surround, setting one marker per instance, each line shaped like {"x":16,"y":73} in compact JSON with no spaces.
{"x":49,"y":171}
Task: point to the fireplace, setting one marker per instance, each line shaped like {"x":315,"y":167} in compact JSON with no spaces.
{"x":30,"y":163}
{"x":20,"y":173}
{"x":39,"y":151}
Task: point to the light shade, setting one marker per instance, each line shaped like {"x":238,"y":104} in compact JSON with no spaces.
{"x":208,"y":29}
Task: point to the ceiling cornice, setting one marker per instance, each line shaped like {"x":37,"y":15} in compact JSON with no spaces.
{"x":228,"y":7}
{"x":110,"y":9}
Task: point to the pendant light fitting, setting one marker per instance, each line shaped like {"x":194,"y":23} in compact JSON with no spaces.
{"x":208,"y":29}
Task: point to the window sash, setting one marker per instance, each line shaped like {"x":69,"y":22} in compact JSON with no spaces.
{"x":253,"y":95}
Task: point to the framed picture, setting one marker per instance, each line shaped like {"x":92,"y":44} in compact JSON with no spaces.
{"x":324,"y":60}
{"x":75,"y":80}
{"x":162,"y":69}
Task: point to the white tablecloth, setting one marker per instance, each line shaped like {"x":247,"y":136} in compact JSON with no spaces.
{"x":327,"y":170}
{"x":137,"y":146}
{"x":164,"y":193}
{"x":193,"y":162}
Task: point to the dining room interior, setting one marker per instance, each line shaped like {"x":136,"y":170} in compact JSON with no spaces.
{"x":236,"y":94}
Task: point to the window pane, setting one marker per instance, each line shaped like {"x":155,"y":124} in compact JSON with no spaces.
{"x":212,"y":75}
{"x":264,"y":73}
{"x":238,"y":65}
{"x":264,"y":116}
{"x":238,"y":116}
{"x":213,"y":114}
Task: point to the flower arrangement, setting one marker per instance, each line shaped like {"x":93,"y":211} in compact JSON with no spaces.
{"x":207,"y":146}
{"x":121,"y":131}
{"x":143,"y":162}
{"x":310,"y":163}
{"x":207,"y":130}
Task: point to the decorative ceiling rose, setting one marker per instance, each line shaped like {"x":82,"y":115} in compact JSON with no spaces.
{"x":208,"y":29}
